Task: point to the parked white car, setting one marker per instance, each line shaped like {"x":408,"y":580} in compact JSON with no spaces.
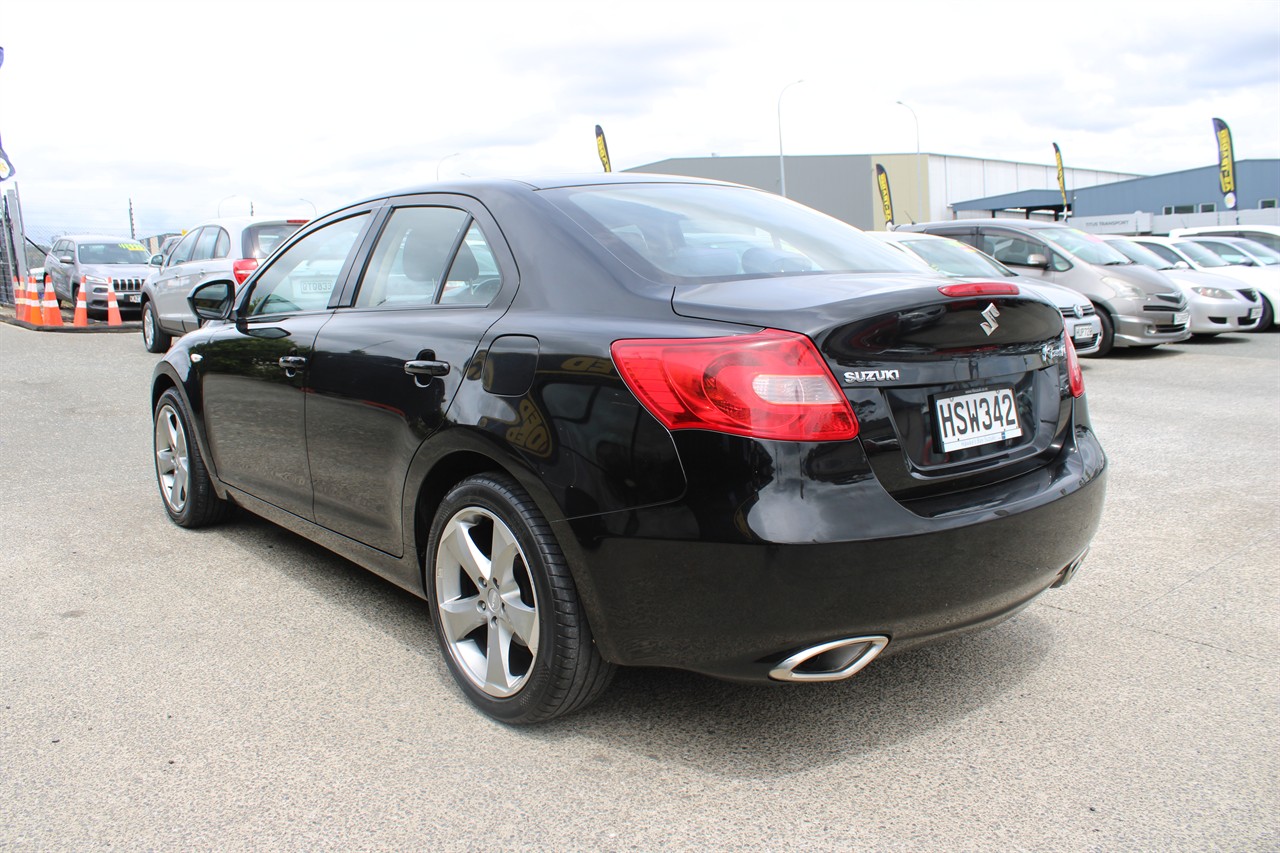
{"x":1267,"y":235}
{"x":1264,"y":280}
{"x":960,"y":260}
{"x":1218,"y":304}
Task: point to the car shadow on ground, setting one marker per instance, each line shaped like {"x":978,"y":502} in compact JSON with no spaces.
{"x":675,"y":717}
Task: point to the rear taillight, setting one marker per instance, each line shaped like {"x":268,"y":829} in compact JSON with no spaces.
{"x":771,"y":384}
{"x":244,"y":268}
{"x":980,"y":288}
{"x":1074,"y":374}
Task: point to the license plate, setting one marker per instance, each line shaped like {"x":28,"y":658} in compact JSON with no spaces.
{"x":1082,"y":333}
{"x":1181,"y":318}
{"x":322,"y":286}
{"x":971,"y":420}
{"x":131,"y":297}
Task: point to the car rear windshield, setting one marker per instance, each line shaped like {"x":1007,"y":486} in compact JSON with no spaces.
{"x":113,"y":253}
{"x":693,"y":233}
{"x":261,"y":240}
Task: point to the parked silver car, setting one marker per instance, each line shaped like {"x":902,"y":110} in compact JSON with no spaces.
{"x":1138,"y":306}
{"x":1265,"y":281}
{"x":960,"y":260}
{"x":217,"y":249}
{"x":1218,"y":304}
{"x":103,"y":262}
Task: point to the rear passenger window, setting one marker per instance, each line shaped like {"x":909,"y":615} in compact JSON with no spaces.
{"x":412,"y":255}
{"x":303,"y":277}
{"x":223,"y":247}
{"x":205,"y":244}
{"x":430,"y":256}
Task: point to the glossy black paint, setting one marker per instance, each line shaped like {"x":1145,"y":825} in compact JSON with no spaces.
{"x":691,"y":549}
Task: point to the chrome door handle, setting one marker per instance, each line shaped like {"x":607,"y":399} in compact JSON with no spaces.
{"x":292,"y":362}
{"x":426,"y":368}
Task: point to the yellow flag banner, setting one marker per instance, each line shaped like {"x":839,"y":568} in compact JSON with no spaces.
{"x":1226,"y":163}
{"x":1062,"y":184}
{"x":886,"y":199}
{"x":603,"y":149}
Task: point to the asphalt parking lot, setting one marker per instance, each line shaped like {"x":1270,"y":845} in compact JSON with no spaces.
{"x":240,"y":688}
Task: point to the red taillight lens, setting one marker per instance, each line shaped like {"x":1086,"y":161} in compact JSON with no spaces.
{"x":1074,"y":374}
{"x":980,"y":288}
{"x":771,"y":384}
{"x":244,"y":268}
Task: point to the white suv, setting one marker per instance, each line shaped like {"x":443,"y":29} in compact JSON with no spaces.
{"x":219,"y":248}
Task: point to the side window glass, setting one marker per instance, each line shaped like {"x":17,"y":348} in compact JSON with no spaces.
{"x":473,"y":278}
{"x":182,"y":253}
{"x":303,"y":277}
{"x":409,"y":261}
{"x":223,"y":247}
{"x":1010,"y":248}
{"x":1058,"y":263}
{"x":204,"y":244}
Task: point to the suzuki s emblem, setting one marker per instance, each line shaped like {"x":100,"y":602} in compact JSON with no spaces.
{"x":991,"y":313}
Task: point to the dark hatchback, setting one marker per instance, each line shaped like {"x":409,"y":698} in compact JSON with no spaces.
{"x":638,"y":420}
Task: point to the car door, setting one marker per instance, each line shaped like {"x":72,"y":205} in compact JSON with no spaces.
{"x":253,"y":373}
{"x":387,"y":366}
{"x":212,"y":244}
{"x":170,"y":286}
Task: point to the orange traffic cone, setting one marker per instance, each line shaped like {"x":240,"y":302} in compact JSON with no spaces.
{"x":19,"y":300}
{"x":52,"y":315}
{"x":113,"y":307}
{"x":82,"y":307}
{"x":30,"y":306}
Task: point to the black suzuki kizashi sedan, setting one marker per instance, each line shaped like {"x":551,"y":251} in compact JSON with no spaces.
{"x":638,"y":420}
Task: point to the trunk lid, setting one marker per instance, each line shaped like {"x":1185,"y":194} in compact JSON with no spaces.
{"x":915,"y":362}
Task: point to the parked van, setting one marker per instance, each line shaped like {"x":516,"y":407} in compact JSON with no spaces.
{"x":1267,"y":235}
{"x":1138,"y":306}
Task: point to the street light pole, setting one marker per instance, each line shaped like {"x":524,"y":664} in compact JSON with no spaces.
{"x":920,"y":211}
{"x":782,"y":163}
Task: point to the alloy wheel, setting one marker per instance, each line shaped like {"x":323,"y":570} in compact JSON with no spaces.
{"x":486,"y":601}
{"x":172,"y":459}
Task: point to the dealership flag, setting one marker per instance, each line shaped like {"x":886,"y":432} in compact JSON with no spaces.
{"x":603,"y":149}
{"x":1226,"y":163}
{"x":6,"y":168}
{"x":886,"y":200}
{"x":1062,"y":184}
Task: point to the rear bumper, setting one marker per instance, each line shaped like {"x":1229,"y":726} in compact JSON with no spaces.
{"x":734,"y":609}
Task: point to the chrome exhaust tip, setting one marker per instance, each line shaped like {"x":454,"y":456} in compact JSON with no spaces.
{"x":830,"y":661}
{"x":1069,"y":570}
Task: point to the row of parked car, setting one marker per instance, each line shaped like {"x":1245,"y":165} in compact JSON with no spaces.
{"x":155,"y":287}
{"x":1112,"y":290}
{"x":1117,"y":291}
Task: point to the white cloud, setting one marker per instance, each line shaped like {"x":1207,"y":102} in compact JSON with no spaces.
{"x":184,"y":106}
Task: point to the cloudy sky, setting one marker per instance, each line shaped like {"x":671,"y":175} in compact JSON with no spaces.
{"x":195,"y":109}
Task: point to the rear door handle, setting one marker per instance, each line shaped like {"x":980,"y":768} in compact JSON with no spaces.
{"x":292,"y":363}
{"x":426,"y":368}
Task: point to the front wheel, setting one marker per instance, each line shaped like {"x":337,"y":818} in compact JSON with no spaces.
{"x":154,"y":338}
{"x":1268,"y":315}
{"x":1106,"y":340}
{"x":505,"y":607}
{"x":184,"y":481}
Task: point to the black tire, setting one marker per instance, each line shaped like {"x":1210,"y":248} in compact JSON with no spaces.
{"x":154,"y":338}
{"x":1268,"y":315}
{"x":1106,"y":340}
{"x":188,"y":496}
{"x":554,"y":668}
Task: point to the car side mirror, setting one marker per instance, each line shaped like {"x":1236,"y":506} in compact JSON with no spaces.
{"x":213,"y":300}
{"x":157,"y":260}
{"x":66,"y":259}
{"x":1182,"y":265}
{"x":1038,"y":260}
